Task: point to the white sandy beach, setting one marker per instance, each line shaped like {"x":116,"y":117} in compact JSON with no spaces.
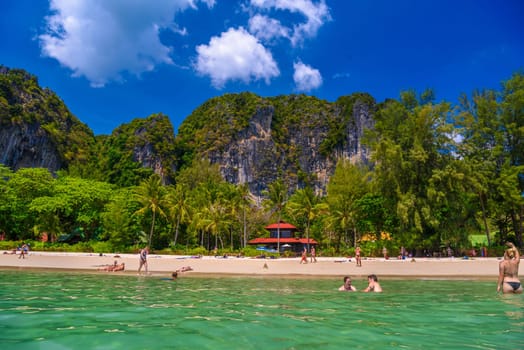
{"x":325,"y":267}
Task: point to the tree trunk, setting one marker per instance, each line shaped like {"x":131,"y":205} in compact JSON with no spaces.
{"x":245,"y":228}
{"x":176,"y":231}
{"x":278,"y":234}
{"x":517,"y":226}
{"x":152,"y":228}
{"x":484,"y":219}
{"x":307,"y":234}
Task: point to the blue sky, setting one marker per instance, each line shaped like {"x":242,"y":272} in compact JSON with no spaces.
{"x":115,"y":60}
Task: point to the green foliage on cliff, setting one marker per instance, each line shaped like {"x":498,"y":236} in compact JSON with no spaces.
{"x":343,"y":117}
{"x":297,"y":112}
{"x":437,"y":172}
{"x":24,"y":102}
{"x":214,"y":124}
{"x":220,"y":120}
{"x":131,"y":153}
{"x":126,"y":157}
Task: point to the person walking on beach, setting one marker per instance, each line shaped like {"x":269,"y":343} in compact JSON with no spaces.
{"x":347,"y":286}
{"x":508,"y":280}
{"x":357,"y":256}
{"x":304,"y":256}
{"x":313,"y":254}
{"x":24,"y":251}
{"x":143,"y":259}
{"x":373,"y":285}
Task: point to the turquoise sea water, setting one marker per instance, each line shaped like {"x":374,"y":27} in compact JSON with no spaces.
{"x":65,"y":310}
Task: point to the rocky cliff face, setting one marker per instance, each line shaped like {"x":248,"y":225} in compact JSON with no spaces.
{"x":362,"y":119}
{"x":28,"y":146}
{"x":36,"y":128}
{"x":254,"y":140}
{"x":293,"y":148}
{"x":158,"y":155}
{"x":135,"y":150}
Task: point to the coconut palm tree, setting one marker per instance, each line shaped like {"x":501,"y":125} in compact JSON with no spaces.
{"x":305,"y":204}
{"x":179,"y":207}
{"x":150,"y":194}
{"x":276,"y":202}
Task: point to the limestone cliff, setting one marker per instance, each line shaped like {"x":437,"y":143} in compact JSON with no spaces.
{"x":254,"y":140}
{"x":36,"y":128}
{"x":28,"y":146}
{"x":297,"y":138}
{"x":135,"y":150}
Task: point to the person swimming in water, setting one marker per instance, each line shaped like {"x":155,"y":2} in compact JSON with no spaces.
{"x":347,"y":286}
{"x":508,"y":281}
{"x":373,"y":285}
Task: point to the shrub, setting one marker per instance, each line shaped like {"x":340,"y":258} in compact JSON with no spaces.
{"x":102,"y":247}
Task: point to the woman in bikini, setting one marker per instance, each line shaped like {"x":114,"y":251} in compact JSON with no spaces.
{"x":143,"y":259}
{"x":508,"y":280}
{"x":357,"y":256}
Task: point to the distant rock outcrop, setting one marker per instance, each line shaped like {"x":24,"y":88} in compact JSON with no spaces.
{"x":28,"y":146}
{"x":36,"y":128}
{"x":295,"y":138}
{"x":254,"y":140}
{"x":137,"y":146}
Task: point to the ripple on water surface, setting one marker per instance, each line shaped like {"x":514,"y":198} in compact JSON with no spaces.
{"x":59,"y":310}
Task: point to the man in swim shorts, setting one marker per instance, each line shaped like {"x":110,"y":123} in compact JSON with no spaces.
{"x":508,"y":280}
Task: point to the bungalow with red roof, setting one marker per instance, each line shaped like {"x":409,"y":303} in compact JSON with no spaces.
{"x":287,"y":239}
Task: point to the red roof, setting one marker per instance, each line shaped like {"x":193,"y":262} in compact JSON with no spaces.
{"x":282,"y":241}
{"x":283,"y":225}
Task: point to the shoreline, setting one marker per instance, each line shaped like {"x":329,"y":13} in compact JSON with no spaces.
{"x":325,"y":267}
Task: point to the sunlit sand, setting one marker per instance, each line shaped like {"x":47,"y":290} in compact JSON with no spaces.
{"x":325,"y":267}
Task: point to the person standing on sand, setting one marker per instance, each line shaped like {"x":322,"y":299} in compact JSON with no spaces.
{"x":508,"y":280}
{"x":357,"y":256}
{"x":24,"y":251}
{"x":313,"y":254}
{"x":143,"y":259}
{"x":304,"y":256}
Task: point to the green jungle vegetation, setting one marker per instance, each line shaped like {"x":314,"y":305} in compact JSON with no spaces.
{"x":440,"y":175}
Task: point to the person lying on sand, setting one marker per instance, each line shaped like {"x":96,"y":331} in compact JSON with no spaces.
{"x":174,"y":275}
{"x":115,"y":267}
{"x":120,"y":267}
{"x":184,"y":269}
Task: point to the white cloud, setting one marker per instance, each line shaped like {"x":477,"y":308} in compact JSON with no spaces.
{"x":265,"y":28}
{"x":193,"y":3}
{"x":235,"y":55}
{"x":306,"y":78}
{"x":102,"y":39}
{"x":316,"y":15}
{"x":105,"y":40}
